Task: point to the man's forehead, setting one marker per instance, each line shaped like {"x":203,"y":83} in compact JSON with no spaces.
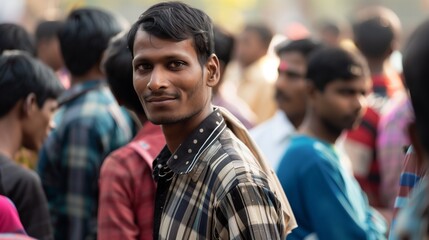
{"x":145,"y":41}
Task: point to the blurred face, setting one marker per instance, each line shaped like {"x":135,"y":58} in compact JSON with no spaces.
{"x":49,"y":52}
{"x":342,"y":104}
{"x":38,"y":124}
{"x":172,"y":85}
{"x":291,"y":86}
{"x":249,"y":48}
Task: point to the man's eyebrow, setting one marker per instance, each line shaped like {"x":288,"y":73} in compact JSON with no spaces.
{"x":167,"y":57}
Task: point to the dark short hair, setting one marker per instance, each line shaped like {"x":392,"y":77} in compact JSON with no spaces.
{"x":46,"y":30}
{"x":84,"y":37}
{"x":263,"y":31}
{"x":117,"y":64}
{"x":330,"y":26}
{"x":22,"y":74}
{"x":374,"y":31}
{"x":15,"y":37}
{"x":303,"y":46}
{"x":329,"y":64}
{"x":177,"y":21}
{"x":224,"y":44}
{"x":416,"y":73}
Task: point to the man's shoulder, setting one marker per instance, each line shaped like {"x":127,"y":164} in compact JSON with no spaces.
{"x":242,"y":165}
{"x":93,"y":104}
{"x":278,"y":122}
{"x":136,"y":154}
{"x":304,"y":143}
{"x":263,"y":128}
{"x":19,"y":176}
{"x":122,"y":162}
{"x":304,"y":150}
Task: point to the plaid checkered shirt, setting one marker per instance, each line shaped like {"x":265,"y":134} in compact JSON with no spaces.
{"x":213,"y":187}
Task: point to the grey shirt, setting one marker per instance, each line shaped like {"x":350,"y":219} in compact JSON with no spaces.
{"x":24,"y":188}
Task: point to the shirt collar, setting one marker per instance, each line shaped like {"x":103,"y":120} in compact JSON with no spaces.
{"x":184,"y":159}
{"x":80,"y":89}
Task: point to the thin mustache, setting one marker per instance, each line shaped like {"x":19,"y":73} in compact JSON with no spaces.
{"x":159,"y":94}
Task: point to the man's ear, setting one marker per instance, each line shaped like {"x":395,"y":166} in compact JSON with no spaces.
{"x":213,"y":70}
{"x":415,"y":141}
{"x":29,"y":105}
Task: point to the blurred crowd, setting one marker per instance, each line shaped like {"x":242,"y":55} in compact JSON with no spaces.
{"x":341,"y":119}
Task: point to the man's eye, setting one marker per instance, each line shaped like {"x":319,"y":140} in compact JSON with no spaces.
{"x":176,"y":64}
{"x":143,"y":67}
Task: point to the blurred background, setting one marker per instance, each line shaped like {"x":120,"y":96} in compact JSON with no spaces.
{"x":281,"y":15}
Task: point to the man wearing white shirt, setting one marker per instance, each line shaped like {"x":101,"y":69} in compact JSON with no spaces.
{"x":272,"y":136}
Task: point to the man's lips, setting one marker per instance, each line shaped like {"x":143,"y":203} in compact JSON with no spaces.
{"x":158,"y":99}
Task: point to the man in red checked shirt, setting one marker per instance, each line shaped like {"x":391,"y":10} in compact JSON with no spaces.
{"x":127,"y":189}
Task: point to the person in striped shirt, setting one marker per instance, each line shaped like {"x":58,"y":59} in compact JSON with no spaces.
{"x":211,"y":181}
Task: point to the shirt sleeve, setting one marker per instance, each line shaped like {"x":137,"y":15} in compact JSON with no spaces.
{"x":409,"y":178}
{"x":119,"y":215}
{"x":329,"y":208}
{"x":249,"y":211}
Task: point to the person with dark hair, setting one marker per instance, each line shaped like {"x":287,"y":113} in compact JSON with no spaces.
{"x":210,"y":184}
{"x":15,"y":37}
{"x":376,"y":34}
{"x":48,"y":48}
{"x":28,"y":100}
{"x":90,"y":125}
{"x":252,"y":71}
{"x":413,"y":220}
{"x":330,"y":32}
{"x":325,"y":198}
{"x":273,"y":135}
{"x":127,"y":189}
{"x":223,"y":95}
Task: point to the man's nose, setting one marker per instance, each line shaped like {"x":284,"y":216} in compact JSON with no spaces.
{"x":157,"y":79}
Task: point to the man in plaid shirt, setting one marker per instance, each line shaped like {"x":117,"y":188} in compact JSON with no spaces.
{"x":90,"y":124}
{"x":211,"y":181}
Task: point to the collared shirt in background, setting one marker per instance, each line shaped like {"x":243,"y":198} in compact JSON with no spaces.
{"x":89,"y":125}
{"x":325,"y":197}
{"x":127,"y":189}
{"x":273,"y":137}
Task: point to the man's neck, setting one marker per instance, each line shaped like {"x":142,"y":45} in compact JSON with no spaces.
{"x":92,"y":74}
{"x":314,"y":127}
{"x":296,"y":121}
{"x":176,"y":133}
{"x":376,"y":66}
{"x":10,"y":136}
